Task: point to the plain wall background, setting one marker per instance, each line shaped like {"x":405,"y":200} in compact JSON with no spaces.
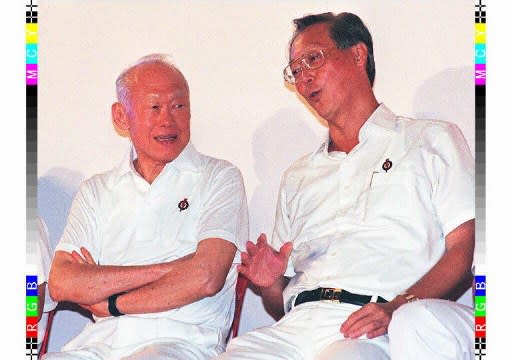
{"x":232,"y":53}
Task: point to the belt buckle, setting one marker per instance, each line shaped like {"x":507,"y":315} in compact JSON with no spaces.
{"x":330,"y":293}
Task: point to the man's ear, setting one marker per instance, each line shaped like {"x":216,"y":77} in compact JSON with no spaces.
{"x":360,"y":54}
{"x":120,"y":117}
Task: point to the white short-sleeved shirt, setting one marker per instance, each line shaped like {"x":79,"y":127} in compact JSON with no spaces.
{"x":356,"y":226}
{"x":123,"y":220}
{"x":43,"y":269}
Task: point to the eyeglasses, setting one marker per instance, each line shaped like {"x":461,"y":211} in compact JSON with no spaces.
{"x":312,"y":60}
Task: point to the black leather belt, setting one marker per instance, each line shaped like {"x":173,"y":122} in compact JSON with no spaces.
{"x":335,"y":295}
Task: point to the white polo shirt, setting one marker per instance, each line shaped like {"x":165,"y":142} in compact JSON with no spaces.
{"x":356,"y":226}
{"x":123,"y":220}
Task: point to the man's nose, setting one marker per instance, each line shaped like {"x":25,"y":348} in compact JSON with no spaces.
{"x":167,"y":117}
{"x":306,"y":77}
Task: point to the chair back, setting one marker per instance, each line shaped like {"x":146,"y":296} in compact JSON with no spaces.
{"x":44,"y":344}
{"x":241,"y":287}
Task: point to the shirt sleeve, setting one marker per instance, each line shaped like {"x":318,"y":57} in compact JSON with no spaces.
{"x":453,"y":192}
{"x":225,"y":212}
{"x":45,"y":254}
{"x":282,"y":227}
{"x":80,"y":229}
{"x":45,"y":261}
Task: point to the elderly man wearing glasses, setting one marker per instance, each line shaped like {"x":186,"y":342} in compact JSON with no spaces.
{"x":375,"y":229}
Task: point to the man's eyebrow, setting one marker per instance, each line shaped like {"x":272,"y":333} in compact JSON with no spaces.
{"x":175,"y":94}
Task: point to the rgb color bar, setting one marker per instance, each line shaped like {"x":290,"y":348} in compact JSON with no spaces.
{"x":31,"y":316}
{"x":480,"y":316}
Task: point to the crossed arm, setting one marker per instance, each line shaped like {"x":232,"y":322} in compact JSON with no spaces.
{"x":149,"y":288}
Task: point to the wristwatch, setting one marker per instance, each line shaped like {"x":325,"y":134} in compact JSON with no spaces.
{"x":112,"y":307}
{"x":409,"y":297}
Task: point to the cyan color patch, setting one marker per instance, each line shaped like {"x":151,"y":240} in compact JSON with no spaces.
{"x":480,"y":53}
{"x":31,"y":53}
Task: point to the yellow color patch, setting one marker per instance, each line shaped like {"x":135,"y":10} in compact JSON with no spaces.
{"x":480,"y":33}
{"x":31,"y":33}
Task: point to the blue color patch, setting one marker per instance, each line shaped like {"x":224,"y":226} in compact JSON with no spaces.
{"x":31,"y":285}
{"x":480,"y":285}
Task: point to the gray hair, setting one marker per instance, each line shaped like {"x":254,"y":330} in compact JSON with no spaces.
{"x":126,"y":80}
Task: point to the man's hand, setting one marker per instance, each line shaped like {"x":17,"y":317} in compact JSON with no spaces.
{"x":261,"y":264}
{"x":372,"y":319}
{"x":84,"y":258}
{"x":100,"y":309}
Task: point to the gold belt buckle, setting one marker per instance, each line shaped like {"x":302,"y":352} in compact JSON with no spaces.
{"x":329,"y":293}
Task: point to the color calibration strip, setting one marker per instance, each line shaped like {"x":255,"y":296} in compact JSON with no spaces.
{"x":480,"y":315}
{"x":31,"y":85}
{"x":31,"y":316}
{"x":480,"y":84}
{"x":31,"y":147}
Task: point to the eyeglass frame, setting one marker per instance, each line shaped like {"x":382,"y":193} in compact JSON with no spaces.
{"x":304,"y":65}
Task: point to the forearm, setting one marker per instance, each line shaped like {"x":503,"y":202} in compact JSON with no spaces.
{"x":188,"y":280}
{"x":90,"y":284}
{"x":182,"y":286}
{"x":445,"y":277}
{"x":273,"y":297}
{"x":453,"y":271}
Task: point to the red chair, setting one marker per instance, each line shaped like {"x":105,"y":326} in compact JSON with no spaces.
{"x":241,"y":287}
{"x":44,"y":344}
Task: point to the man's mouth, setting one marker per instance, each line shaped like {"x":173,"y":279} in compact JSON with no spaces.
{"x":166,"y":138}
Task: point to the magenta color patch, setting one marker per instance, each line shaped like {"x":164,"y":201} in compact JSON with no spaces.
{"x":480,"y":74}
{"x":31,"y":74}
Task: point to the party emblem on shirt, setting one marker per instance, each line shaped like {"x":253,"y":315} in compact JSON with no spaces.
{"x":183,"y":205}
{"x":387,"y":165}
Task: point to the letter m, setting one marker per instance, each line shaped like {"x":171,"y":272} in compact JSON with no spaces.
{"x":31,"y":74}
{"x":480,"y":74}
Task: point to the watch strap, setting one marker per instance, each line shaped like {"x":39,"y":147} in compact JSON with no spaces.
{"x":112,"y":307}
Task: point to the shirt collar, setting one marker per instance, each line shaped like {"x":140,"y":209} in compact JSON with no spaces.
{"x":381,"y":120}
{"x":188,"y":160}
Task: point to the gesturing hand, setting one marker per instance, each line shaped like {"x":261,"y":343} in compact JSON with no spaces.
{"x":263,"y":265}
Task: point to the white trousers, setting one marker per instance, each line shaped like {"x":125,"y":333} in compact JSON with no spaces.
{"x":422,"y":330}
{"x":134,"y":338}
{"x":157,"y":351}
{"x":432,"y":329}
{"x":309,"y":331}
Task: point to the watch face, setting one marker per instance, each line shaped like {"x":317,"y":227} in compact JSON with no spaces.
{"x":411,"y":298}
